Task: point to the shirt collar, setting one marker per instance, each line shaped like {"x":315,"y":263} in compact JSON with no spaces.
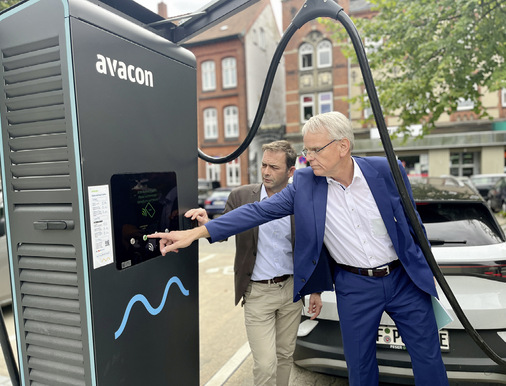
{"x":357,"y":174}
{"x":263,"y":193}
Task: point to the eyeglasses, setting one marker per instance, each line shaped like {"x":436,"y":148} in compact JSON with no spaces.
{"x":312,"y":153}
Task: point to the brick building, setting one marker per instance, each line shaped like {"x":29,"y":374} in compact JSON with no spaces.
{"x":232,"y":62}
{"x":319,"y":79}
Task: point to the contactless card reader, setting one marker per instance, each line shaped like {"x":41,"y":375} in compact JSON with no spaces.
{"x":142,"y":203}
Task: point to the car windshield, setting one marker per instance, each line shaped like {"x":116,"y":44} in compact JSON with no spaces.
{"x":456,"y":224}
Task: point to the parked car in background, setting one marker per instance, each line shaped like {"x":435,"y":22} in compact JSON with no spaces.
{"x":470,"y":248}
{"x":215,"y":203}
{"x":205,"y":188}
{"x":496,"y":197}
{"x":485,"y":182}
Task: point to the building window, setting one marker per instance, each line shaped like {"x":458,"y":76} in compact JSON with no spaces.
{"x":503,"y":97}
{"x":208,"y":76}
{"x":324,"y":50}
{"x":229,"y":70}
{"x":324,"y":102}
{"x":306,"y":52}
{"x":464,"y":164}
{"x":367,"y":110}
{"x":465,"y":104}
{"x":234,"y":173}
{"x":415,"y":165}
{"x":307,"y":107}
{"x":210,"y":124}
{"x":213,"y":172}
{"x":231,"y":117}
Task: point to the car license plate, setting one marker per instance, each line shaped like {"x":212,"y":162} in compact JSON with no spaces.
{"x":219,"y":203}
{"x":388,"y":336}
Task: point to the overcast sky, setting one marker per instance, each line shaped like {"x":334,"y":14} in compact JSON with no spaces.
{"x":179,"y":7}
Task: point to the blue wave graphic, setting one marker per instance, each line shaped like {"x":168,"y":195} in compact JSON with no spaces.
{"x":147,"y":305}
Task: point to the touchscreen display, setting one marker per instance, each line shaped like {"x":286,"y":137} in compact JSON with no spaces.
{"x":142,"y":203}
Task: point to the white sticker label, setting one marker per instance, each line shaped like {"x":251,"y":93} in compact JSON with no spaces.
{"x":101,"y":231}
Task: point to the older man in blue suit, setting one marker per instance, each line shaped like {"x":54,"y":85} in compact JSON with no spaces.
{"x":352,"y":236}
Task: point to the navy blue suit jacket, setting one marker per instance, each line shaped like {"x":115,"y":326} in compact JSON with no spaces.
{"x":306,"y":199}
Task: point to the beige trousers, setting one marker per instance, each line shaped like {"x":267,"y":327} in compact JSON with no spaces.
{"x":272,"y":320}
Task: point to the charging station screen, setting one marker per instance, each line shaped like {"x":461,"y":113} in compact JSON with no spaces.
{"x":142,"y":203}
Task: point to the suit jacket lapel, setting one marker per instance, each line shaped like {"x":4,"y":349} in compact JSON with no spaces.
{"x":255,"y":196}
{"x":320,"y":189}
{"x":292,"y":226}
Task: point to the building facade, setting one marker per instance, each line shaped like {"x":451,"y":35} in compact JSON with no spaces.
{"x":232,"y":62}
{"x":319,"y":79}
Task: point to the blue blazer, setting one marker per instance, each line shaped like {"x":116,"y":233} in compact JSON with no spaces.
{"x":306,"y":199}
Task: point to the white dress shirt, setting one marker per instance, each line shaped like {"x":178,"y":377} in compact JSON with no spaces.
{"x":274,"y":248}
{"x":355,"y":233}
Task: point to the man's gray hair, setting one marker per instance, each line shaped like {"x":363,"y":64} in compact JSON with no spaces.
{"x":285,"y":147}
{"x":335,"y":124}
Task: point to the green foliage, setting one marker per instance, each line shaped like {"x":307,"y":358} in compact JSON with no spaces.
{"x":7,"y":3}
{"x":432,"y":54}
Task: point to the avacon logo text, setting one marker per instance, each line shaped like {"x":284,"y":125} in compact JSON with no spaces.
{"x":117,"y":68}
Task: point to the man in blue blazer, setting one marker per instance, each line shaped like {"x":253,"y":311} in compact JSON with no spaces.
{"x":352,"y":236}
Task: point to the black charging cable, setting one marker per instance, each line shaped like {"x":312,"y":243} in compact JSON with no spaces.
{"x":329,"y":8}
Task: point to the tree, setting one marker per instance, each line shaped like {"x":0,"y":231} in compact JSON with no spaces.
{"x":429,"y":55}
{"x":7,"y":3}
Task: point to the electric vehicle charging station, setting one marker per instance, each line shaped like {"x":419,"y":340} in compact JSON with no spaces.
{"x":99,"y":148}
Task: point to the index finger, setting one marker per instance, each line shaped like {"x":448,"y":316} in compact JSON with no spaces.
{"x":157,"y":235}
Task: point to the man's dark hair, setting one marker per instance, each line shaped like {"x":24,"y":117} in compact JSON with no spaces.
{"x":285,"y":147}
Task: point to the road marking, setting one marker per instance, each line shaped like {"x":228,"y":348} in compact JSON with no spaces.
{"x":228,"y":270}
{"x":230,"y":367}
{"x":208,"y":257}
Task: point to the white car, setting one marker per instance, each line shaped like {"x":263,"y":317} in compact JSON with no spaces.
{"x":470,"y":248}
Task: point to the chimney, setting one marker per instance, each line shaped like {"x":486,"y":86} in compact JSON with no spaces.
{"x":162,"y":9}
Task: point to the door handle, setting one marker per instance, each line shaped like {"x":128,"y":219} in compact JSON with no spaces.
{"x":53,"y":225}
